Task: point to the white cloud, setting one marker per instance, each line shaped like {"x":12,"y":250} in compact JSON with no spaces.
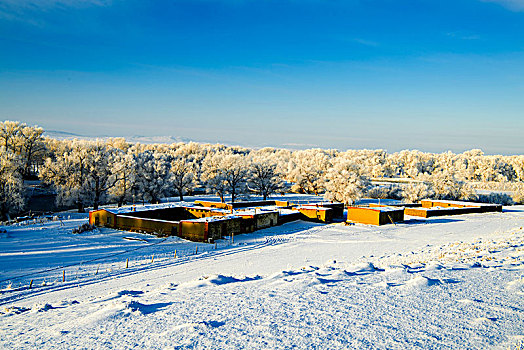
{"x":27,"y":10}
{"x":45,"y":4}
{"x":514,"y":5}
{"x":365,"y":42}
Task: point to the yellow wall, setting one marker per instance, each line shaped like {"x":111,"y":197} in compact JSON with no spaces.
{"x":315,"y":214}
{"x":102,"y":218}
{"x":374,"y":217}
{"x":205,"y":212}
{"x":147,"y":225}
{"x":416,"y":212}
{"x":363,"y":216}
{"x":195,"y":231}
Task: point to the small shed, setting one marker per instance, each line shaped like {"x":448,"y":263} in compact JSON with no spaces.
{"x":440,"y":211}
{"x":257,"y":219}
{"x":375,"y":216}
{"x":338,"y":208}
{"x":102,"y":217}
{"x":480,"y":207}
{"x":312,"y":212}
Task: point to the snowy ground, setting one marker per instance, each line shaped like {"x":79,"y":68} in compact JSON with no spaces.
{"x":448,"y":282}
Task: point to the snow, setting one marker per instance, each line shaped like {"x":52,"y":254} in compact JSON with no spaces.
{"x":214,"y":218}
{"x":449,"y":282}
{"x":461,"y":203}
{"x":312,"y":207}
{"x":381,"y":209}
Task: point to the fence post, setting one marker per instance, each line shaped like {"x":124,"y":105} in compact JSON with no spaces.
{"x":127,"y":263}
{"x":196,"y":250}
{"x":215,"y":245}
{"x":175,"y":253}
{"x":96,"y":273}
{"x":152,"y":258}
{"x":63,"y":276}
{"x":31,"y":284}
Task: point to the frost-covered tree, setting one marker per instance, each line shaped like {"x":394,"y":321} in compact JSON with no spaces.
{"x":344,"y":183}
{"x":152,"y":176}
{"x":383,"y":192}
{"x":264,"y":178}
{"x":68,"y":174}
{"x":24,"y":141}
{"x":9,"y":135}
{"x":416,"y":191}
{"x":225,"y":173}
{"x":445,"y":186}
{"x":307,"y":170}
{"x":213,"y":176}
{"x":81,"y":175}
{"x":183,"y":176}
{"x":123,"y":170}
{"x":518,"y":194}
{"x":32,"y":148}
{"x":99,"y":175}
{"x":11,"y":184}
{"x":235,"y":171}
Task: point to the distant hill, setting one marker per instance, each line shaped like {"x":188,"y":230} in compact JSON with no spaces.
{"x":64,"y":135}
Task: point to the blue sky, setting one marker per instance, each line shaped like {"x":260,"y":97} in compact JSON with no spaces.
{"x":393,"y":74}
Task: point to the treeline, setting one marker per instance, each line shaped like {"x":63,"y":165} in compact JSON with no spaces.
{"x":91,"y":173}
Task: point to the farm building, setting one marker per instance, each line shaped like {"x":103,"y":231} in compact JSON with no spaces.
{"x":480,"y":207}
{"x":375,"y":216}
{"x":180,"y":221}
{"x":337,"y":209}
{"x":206,"y":223}
{"x":134,"y":221}
{"x":314,"y":213}
{"x":209,"y":228}
{"x":257,"y":219}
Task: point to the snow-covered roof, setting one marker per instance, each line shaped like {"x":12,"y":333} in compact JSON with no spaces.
{"x":311,"y":207}
{"x":381,"y":209}
{"x":198,"y":207}
{"x":287,"y":212}
{"x":470,"y":204}
{"x":442,"y":208}
{"x":149,"y":219}
{"x":135,"y":208}
{"x":214,"y":218}
{"x":254,"y":212}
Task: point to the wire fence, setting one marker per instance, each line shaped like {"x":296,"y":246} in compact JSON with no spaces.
{"x":128,"y":262}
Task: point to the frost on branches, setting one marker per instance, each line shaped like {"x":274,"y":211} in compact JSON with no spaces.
{"x":81,"y":175}
{"x":152,"y":176}
{"x":226,"y":173}
{"x":183,"y":176}
{"x":24,"y":141}
{"x":307,"y":169}
{"x":11,"y":184}
{"x":344,"y":183}
{"x":89,"y":173}
{"x":416,"y":191}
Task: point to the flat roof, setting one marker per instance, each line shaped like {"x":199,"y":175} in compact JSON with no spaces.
{"x":381,"y":209}
{"x":440,"y":208}
{"x":475,"y":204}
{"x":213,"y":218}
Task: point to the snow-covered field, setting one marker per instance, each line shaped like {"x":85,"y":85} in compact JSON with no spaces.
{"x":449,"y":282}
